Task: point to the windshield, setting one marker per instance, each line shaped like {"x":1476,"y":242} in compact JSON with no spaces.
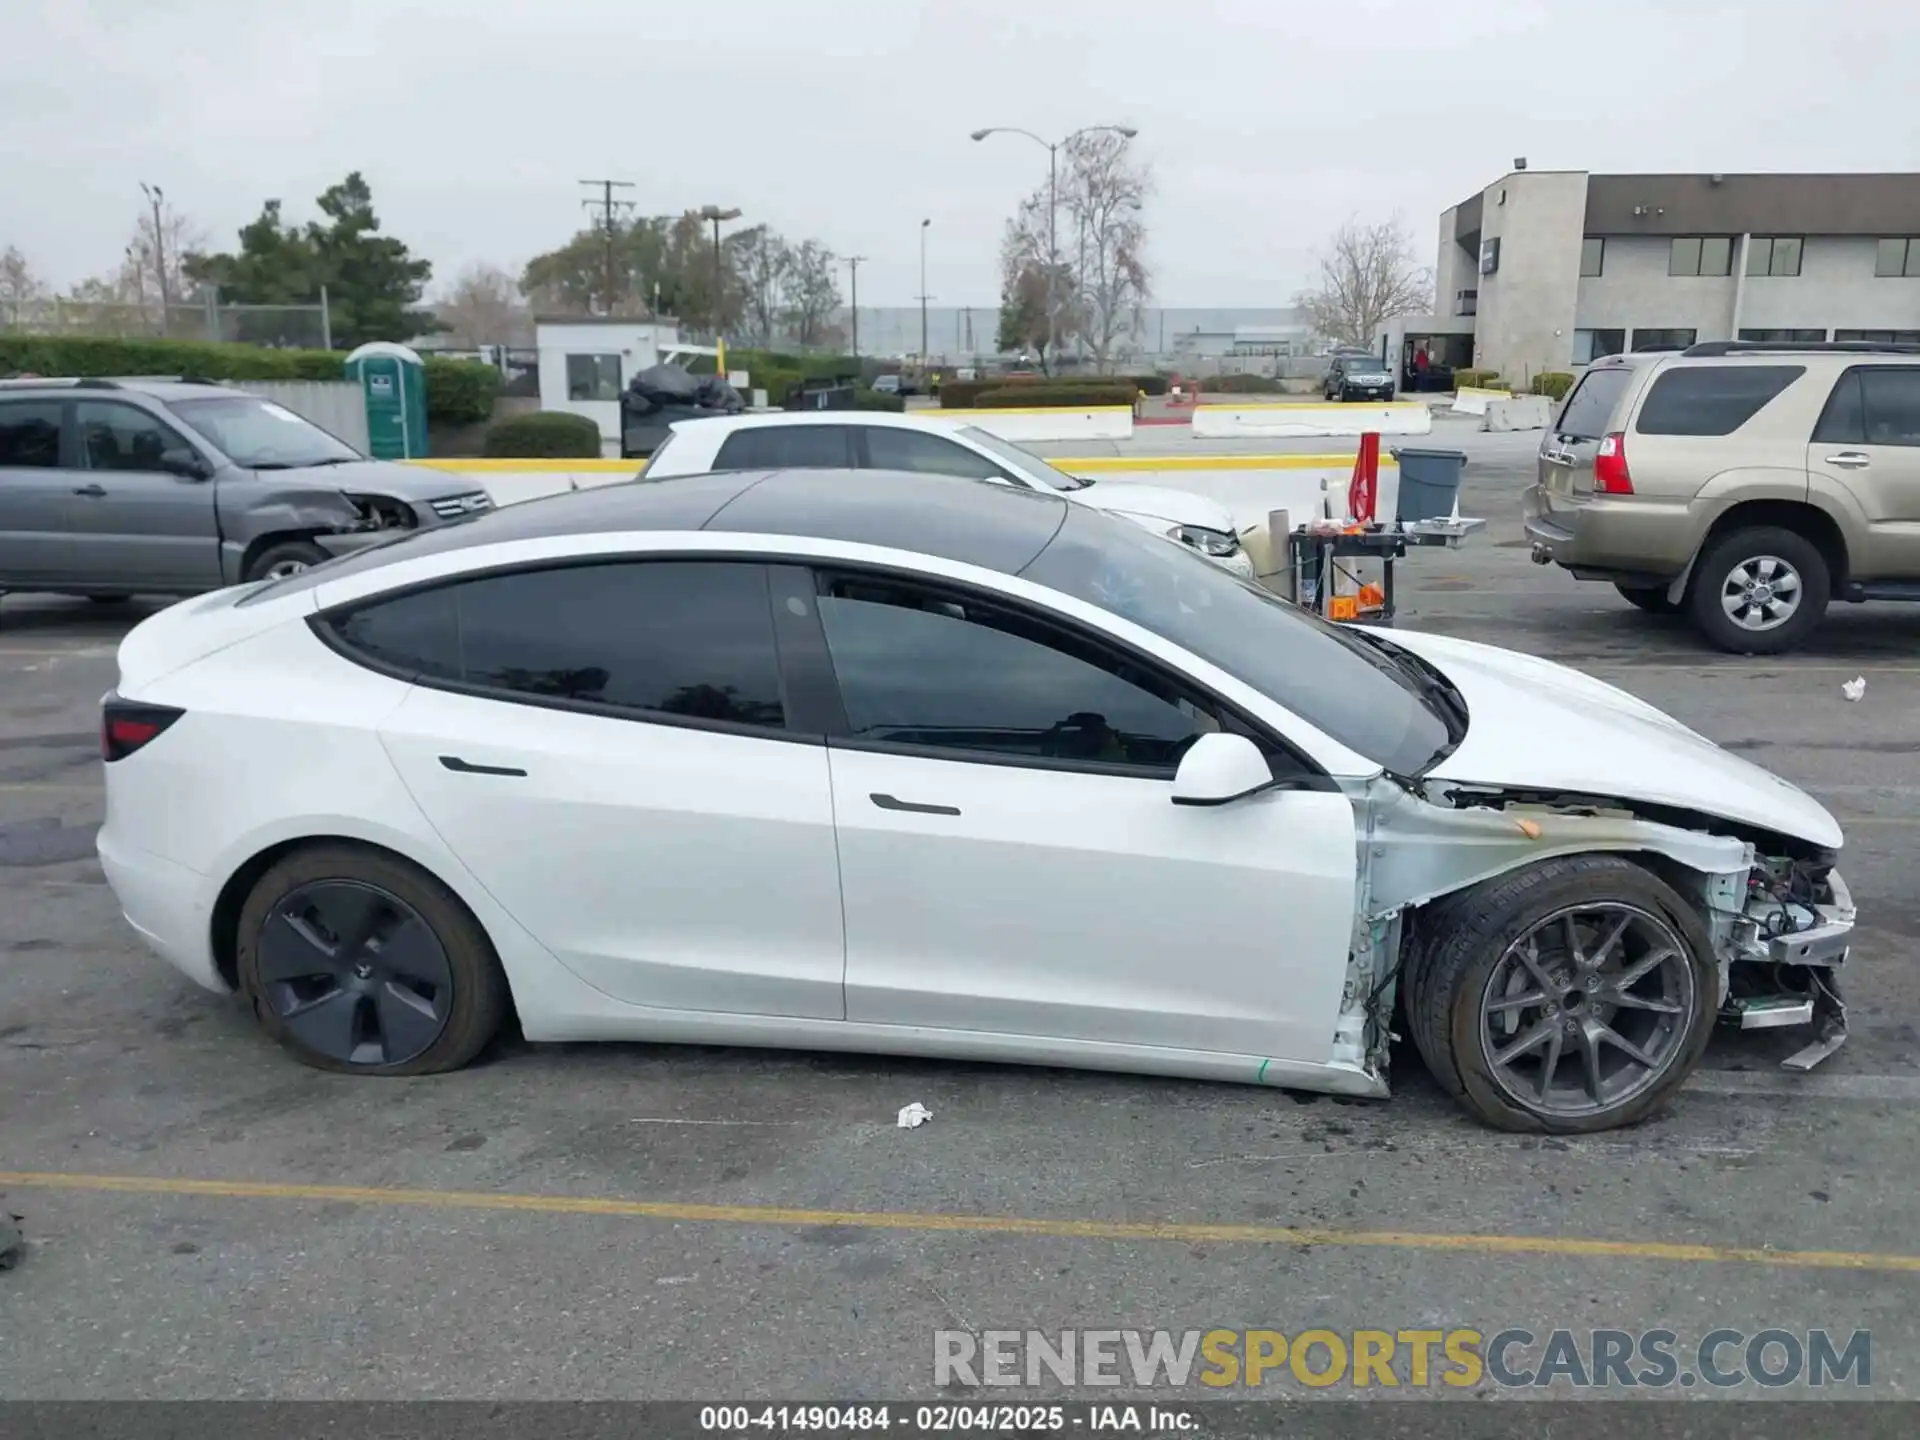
{"x":261,"y":435}
{"x":1024,"y":462}
{"x":1332,"y":677}
{"x":1365,"y":365}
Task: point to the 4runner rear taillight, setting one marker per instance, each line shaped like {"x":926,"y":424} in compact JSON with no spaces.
{"x":1610,"y":475}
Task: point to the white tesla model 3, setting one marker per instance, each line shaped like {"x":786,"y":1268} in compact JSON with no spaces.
{"x":916,"y":764}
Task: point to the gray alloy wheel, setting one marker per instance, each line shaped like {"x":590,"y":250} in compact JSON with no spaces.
{"x":1586,"y":1010}
{"x":1761,"y":593}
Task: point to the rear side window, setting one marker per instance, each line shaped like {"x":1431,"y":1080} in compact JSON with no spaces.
{"x":1590,"y":407}
{"x":787,"y":447}
{"x":692,"y":639}
{"x":1711,"y":399}
{"x":30,"y":434}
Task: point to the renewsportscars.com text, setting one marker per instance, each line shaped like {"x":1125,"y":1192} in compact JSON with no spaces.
{"x":1413,"y":1359}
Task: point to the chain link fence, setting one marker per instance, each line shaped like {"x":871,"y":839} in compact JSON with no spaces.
{"x":301,"y":327}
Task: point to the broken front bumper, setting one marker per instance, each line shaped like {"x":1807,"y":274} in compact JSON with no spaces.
{"x":1814,"y":951}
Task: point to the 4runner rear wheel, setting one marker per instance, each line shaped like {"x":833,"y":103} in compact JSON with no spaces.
{"x":1759,"y":591}
{"x":1650,"y":598}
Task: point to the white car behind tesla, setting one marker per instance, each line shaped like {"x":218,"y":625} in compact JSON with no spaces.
{"x":912,"y":764}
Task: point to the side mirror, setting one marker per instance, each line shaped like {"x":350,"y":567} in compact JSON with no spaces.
{"x":1220,"y":768}
{"x":183,"y":462}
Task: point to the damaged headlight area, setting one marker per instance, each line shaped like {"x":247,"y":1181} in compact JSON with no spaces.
{"x":1786,"y":947}
{"x":1217,"y":543}
{"x":382,"y":512}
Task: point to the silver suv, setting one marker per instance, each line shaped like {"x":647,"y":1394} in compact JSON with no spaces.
{"x":1744,"y":485}
{"x":110,"y":488}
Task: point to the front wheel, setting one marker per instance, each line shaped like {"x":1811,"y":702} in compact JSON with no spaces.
{"x":1570,"y":996}
{"x":1759,"y":591}
{"x":289,"y":557}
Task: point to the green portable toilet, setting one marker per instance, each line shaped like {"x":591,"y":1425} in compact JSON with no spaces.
{"x":393,"y":380}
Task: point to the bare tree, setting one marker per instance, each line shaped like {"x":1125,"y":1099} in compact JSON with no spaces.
{"x":1036,"y":292}
{"x":763,"y":262}
{"x":810,"y":292}
{"x":1368,"y":275}
{"x":1103,"y":195}
{"x":483,"y":307}
{"x":19,"y":287}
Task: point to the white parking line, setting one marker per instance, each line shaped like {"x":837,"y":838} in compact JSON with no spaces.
{"x":1806,"y":1087}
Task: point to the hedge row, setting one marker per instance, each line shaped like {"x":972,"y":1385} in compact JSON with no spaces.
{"x":875,"y":400}
{"x":965,"y":394}
{"x":1241,"y":385}
{"x":1554,"y":384}
{"x":543,"y":435}
{"x":1071,"y":396}
{"x":459,"y":392}
{"x":1476,"y":379}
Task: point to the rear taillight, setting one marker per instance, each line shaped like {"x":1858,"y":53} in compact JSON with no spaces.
{"x":1610,"y":475}
{"x":126,"y":726}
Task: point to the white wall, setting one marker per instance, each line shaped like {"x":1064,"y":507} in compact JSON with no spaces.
{"x":1525,"y":313}
{"x":1836,"y":289}
{"x":638,"y":345}
{"x":1635,"y":292}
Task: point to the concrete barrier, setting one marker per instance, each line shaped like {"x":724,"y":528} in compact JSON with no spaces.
{"x":1249,"y":486}
{"x":1394,"y":417}
{"x":1047,"y":422}
{"x":1519,"y":412}
{"x":1470,"y":401}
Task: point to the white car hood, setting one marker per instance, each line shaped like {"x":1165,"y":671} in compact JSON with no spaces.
{"x":1155,"y":502}
{"x":1536,"y":725}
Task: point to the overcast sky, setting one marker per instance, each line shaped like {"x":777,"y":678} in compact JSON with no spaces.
{"x":1266,"y":122}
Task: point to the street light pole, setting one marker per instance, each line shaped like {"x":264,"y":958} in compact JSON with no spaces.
{"x":1053,"y":200}
{"x":853,"y":275}
{"x":923,"y":292}
{"x":156,"y":198}
{"x":715,"y":214}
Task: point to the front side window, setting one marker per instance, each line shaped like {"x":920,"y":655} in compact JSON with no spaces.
{"x":593,"y":377}
{"x":1892,"y":402}
{"x":1023,"y":464}
{"x":120,"y":437}
{"x":261,"y":435}
{"x":891,"y":448}
{"x":30,"y":434}
{"x":787,"y":447}
{"x":686,"y":639}
{"x":921,"y":669}
{"x":1711,"y":399}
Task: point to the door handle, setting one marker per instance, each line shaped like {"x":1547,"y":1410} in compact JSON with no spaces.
{"x":91,"y":490}
{"x":1850,"y":460}
{"x":887,"y":802}
{"x":467,"y":767}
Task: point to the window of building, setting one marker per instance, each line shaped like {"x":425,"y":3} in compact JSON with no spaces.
{"x":1466,"y":302}
{"x":1593,"y":254}
{"x":1774,"y":254}
{"x":787,"y":447}
{"x":1877,"y":337}
{"x":30,"y":434}
{"x":1663,"y":339}
{"x":593,"y":377}
{"x":1700,"y":255}
{"x":1786,"y":337}
{"x":1711,"y":399}
{"x":121,"y":437}
{"x":1591,"y":345}
{"x":691,"y":639}
{"x":917,"y":668}
{"x":1897,"y":256}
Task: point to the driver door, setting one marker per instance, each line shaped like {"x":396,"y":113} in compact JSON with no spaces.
{"x":1011,"y":860}
{"x":137,"y":525}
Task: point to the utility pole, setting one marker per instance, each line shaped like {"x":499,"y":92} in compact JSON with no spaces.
{"x":923,"y":292}
{"x":609,"y":210}
{"x":853,"y":280}
{"x":157,"y":200}
{"x":716,"y":214}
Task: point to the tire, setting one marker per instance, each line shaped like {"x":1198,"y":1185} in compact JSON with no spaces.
{"x":1650,"y":598}
{"x":356,"y":1007}
{"x":286,"y":558}
{"x":1745,"y":555}
{"x":1472,"y":947}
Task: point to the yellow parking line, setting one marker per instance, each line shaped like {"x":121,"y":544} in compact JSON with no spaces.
{"x":1175,"y":1232}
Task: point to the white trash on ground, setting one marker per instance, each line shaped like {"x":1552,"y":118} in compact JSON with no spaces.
{"x":914,"y":1115}
{"x":1854,"y":688}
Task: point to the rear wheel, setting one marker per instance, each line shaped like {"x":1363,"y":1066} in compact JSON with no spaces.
{"x":360,"y":963}
{"x":289,"y":557}
{"x":1650,"y":598}
{"x":1759,"y":591}
{"x":1572,"y":996}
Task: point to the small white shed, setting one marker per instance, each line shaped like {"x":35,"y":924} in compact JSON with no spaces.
{"x":586,"y":363}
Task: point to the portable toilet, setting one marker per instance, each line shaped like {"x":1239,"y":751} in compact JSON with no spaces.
{"x":393,"y":382}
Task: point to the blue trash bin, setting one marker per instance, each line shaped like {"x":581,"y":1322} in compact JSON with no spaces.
{"x":1429,"y":483}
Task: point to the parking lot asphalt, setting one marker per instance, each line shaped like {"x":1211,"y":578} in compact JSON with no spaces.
{"x":208,"y":1219}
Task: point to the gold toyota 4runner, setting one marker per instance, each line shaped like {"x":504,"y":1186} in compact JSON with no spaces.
{"x":1744,"y":485}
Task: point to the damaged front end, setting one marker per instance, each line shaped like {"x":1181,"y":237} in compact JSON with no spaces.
{"x":1781,"y":923}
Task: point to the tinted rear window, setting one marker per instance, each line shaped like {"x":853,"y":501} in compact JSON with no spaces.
{"x":1592,"y":403}
{"x":787,"y":447}
{"x":1711,"y":399}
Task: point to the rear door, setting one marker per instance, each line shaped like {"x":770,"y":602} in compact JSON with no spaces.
{"x":35,"y":548}
{"x":135,"y":522}
{"x":1866,"y":448}
{"x":1595,"y":409}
